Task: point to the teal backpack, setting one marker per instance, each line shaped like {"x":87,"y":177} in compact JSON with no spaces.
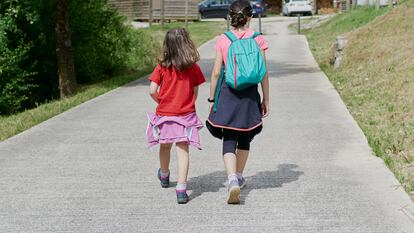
{"x":245,"y":65}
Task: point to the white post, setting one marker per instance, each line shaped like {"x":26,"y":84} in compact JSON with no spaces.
{"x":315,"y":7}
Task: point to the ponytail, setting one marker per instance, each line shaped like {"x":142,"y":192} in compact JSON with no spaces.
{"x":239,"y":11}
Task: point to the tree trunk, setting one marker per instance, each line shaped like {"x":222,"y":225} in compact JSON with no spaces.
{"x":64,"y":50}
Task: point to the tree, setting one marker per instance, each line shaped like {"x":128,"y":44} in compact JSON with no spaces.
{"x":64,"y":50}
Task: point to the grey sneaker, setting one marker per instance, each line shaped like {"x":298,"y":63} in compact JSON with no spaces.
{"x":182,"y":197}
{"x":233,"y":196}
{"x":164,"y":180}
{"x":242,"y":182}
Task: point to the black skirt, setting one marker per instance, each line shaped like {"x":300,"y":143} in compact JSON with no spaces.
{"x":236,"y":110}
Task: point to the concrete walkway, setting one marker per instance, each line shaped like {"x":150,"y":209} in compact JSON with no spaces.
{"x":311,"y":170}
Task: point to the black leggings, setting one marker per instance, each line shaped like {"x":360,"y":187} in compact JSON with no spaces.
{"x":233,"y":139}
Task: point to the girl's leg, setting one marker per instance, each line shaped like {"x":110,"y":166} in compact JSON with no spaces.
{"x":230,"y":162}
{"x":183,"y":164}
{"x":229,"y":151}
{"x":242,"y":156}
{"x":165,"y":151}
{"x":164,"y":171}
{"x":183,"y":161}
{"x":243,"y":148}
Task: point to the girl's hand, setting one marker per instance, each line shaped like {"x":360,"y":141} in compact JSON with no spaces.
{"x":153,"y":91}
{"x":210,"y":107}
{"x":265,"y":108}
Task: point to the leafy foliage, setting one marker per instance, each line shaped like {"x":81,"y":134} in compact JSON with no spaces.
{"x":23,"y":42}
{"x":103,"y":44}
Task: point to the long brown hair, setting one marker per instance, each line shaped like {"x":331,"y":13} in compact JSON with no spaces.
{"x":239,"y":11}
{"x":179,"y":50}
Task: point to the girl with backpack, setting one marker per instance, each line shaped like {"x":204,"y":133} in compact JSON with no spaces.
{"x":236,"y":108}
{"x":174,"y":87}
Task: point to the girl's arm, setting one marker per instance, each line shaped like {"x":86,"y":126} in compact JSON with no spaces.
{"x":153,"y":91}
{"x":215,"y":75}
{"x":265,"y":90}
{"x":195,"y":92}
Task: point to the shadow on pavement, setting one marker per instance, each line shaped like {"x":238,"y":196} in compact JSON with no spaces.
{"x":211,"y":182}
{"x":214,"y":181}
{"x":270,"y":179}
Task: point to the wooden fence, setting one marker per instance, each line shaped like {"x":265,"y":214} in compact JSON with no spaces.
{"x":173,"y":9}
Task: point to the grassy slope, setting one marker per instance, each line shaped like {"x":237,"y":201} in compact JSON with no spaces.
{"x":376,"y":79}
{"x":14,"y":124}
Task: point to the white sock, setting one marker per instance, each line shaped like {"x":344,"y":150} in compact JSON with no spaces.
{"x":239,"y":175}
{"x":181,"y":186}
{"x":165,"y":173}
{"x":232,"y":177}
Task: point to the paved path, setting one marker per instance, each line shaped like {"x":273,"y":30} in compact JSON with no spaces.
{"x":311,"y":170}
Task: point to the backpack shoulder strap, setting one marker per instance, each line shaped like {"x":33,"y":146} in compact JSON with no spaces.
{"x":231,"y":36}
{"x":256,"y":34}
{"x":218,"y":88}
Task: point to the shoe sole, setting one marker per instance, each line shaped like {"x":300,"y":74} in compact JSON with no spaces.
{"x":234,"y":195}
{"x":182,"y":201}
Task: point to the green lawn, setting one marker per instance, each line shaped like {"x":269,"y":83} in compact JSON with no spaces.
{"x":375,"y":79}
{"x":200,"y":32}
{"x":14,"y":124}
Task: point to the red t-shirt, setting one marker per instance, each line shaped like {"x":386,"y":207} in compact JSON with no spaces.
{"x":176,"y":93}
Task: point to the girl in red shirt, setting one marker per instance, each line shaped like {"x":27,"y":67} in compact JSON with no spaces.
{"x":174,"y":87}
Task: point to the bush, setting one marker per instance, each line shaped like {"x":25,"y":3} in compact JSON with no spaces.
{"x":24,"y":42}
{"x":100,"y":40}
{"x":103,"y":46}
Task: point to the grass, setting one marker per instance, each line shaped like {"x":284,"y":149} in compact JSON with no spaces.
{"x":14,"y":124}
{"x":200,"y":32}
{"x":294,"y":26}
{"x":375,"y":80}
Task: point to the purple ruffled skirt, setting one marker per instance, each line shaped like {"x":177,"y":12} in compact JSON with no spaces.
{"x":171,"y":129}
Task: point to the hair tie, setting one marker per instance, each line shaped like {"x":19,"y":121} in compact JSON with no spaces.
{"x":240,"y":12}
